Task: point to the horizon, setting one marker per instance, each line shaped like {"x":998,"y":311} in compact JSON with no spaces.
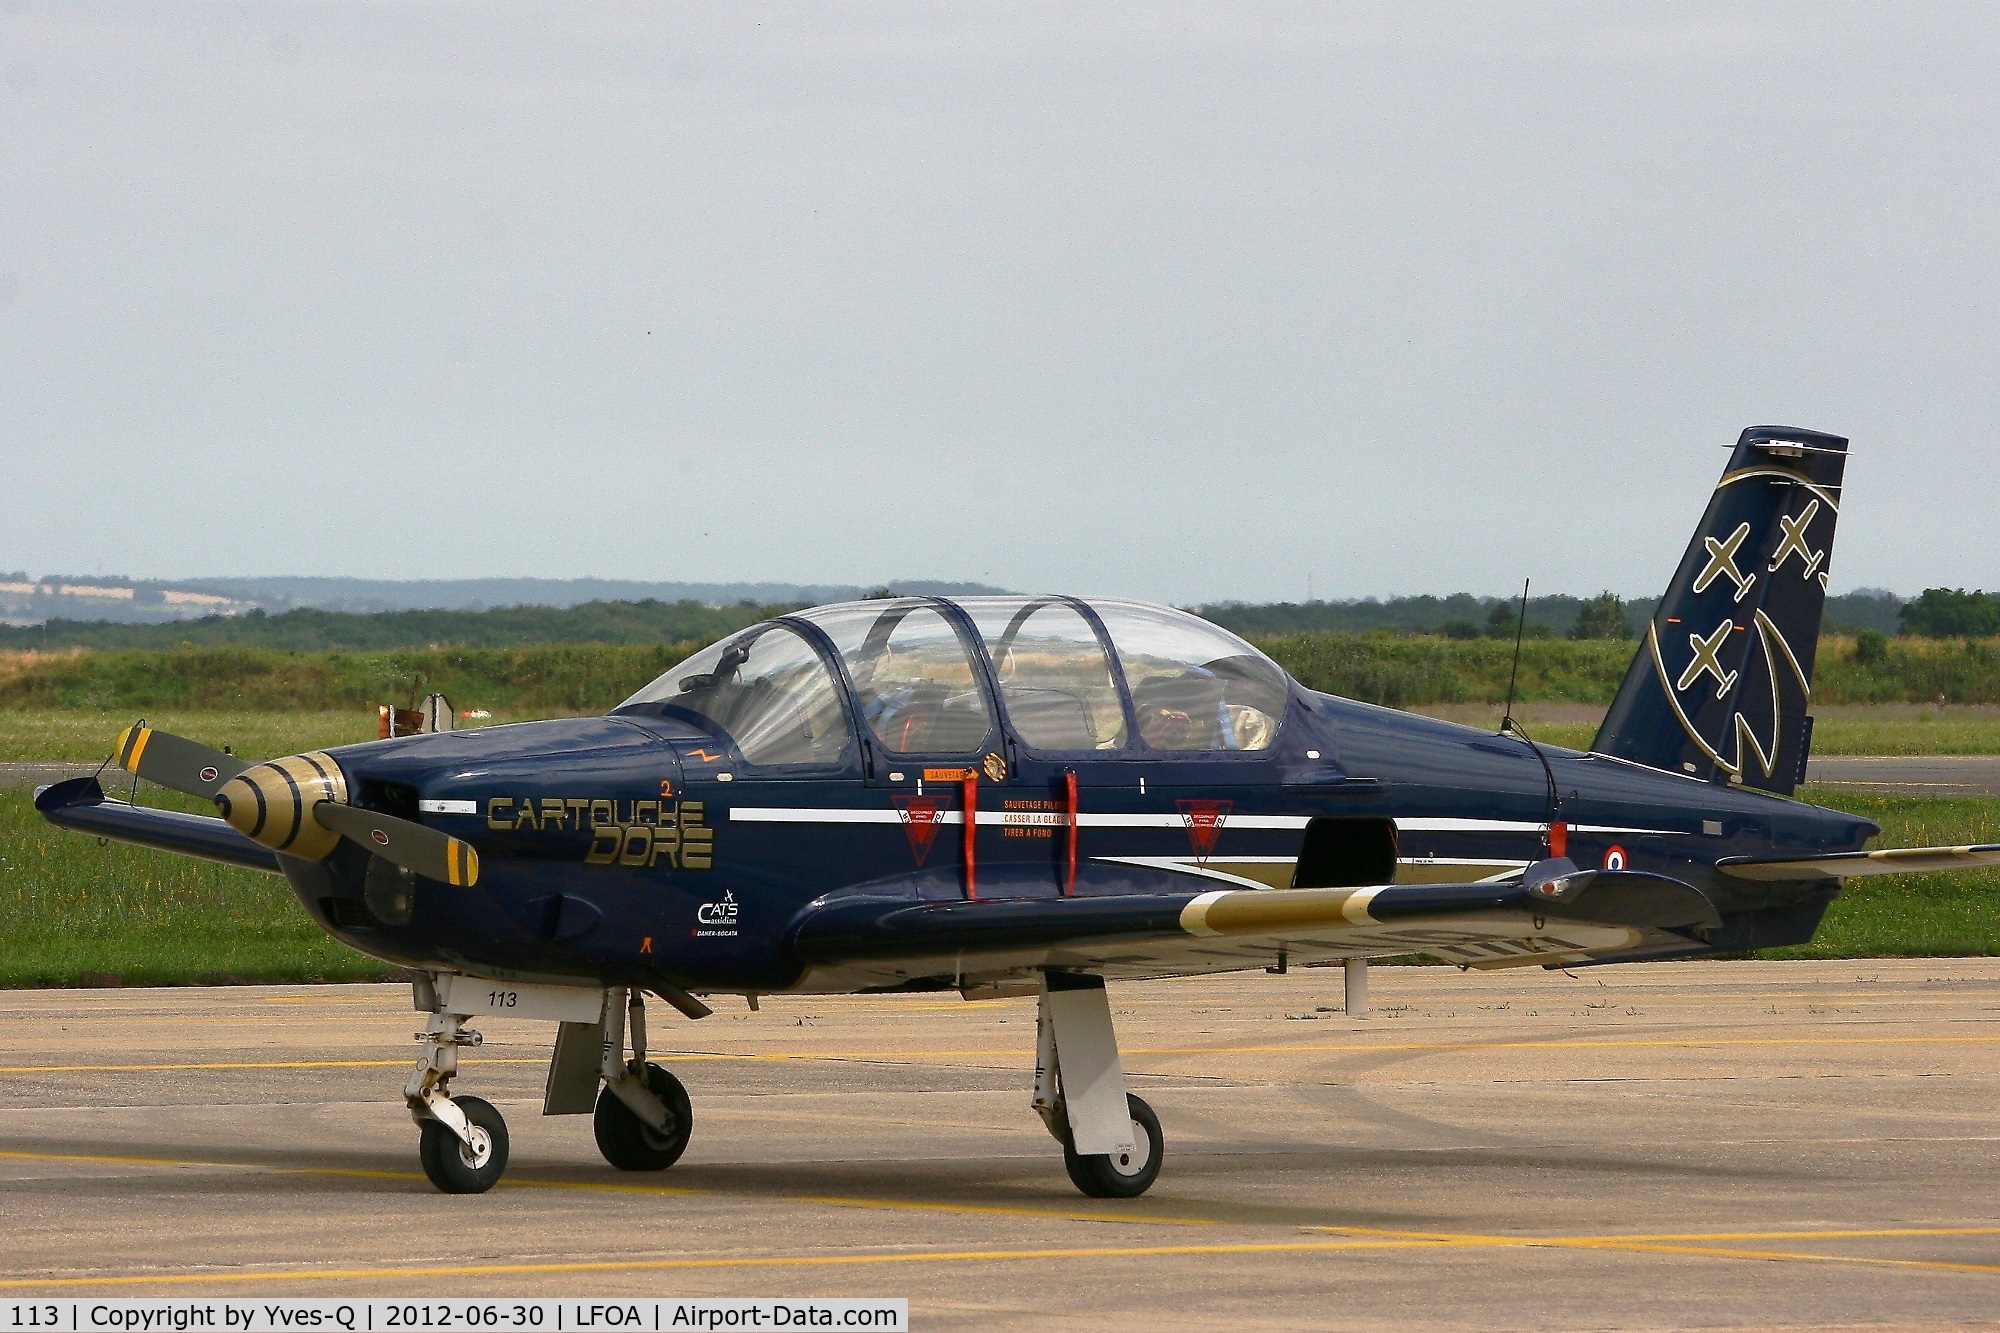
{"x":197,"y":582}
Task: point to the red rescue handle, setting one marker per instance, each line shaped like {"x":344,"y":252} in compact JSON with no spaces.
{"x":1070,"y":808}
{"x":971,"y":804}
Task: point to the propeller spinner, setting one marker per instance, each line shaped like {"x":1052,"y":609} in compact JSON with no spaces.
{"x":297,"y":805}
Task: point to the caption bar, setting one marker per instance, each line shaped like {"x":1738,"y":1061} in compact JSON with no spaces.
{"x":376,"y":1315}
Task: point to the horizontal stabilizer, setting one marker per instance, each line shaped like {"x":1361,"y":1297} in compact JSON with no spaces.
{"x":80,"y":804}
{"x":1888,"y":861}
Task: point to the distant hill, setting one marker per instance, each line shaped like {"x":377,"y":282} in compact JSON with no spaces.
{"x":116,"y":599}
{"x":276,"y":594}
{"x":309,"y":629}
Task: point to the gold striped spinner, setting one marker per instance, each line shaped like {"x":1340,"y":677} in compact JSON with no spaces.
{"x":272,"y":803}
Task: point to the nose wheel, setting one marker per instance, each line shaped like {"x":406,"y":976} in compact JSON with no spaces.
{"x":471,"y":1164}
{"x":462,"y":1141}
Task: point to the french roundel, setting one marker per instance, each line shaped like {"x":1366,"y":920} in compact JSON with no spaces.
{"x":1614,"y":857}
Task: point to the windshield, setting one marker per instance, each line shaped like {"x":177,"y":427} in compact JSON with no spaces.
{"x":913,"y":677}
{"x":766,"y":689}
{"x":1195,"y":686}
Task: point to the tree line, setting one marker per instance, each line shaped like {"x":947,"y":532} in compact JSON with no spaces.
{"x":1937,"y":613}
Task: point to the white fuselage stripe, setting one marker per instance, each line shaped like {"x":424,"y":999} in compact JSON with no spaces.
{"x":1185,"y":868}
{"x":997,"y":818}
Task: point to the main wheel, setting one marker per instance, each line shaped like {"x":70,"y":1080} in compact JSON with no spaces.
{"x":1121,"y":1175}
{"x":629,"y":1143}
{"x":458,"y":1167}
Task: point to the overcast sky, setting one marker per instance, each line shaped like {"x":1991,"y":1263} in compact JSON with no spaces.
{"x":1177,"y":301}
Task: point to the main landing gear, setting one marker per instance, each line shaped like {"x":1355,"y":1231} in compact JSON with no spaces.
{"x":1110,"y":1139}
{"x":642,"y":1118}
{"x":640,"y":1112}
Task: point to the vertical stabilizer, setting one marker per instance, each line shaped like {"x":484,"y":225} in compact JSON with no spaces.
{"x":1721,"y":683}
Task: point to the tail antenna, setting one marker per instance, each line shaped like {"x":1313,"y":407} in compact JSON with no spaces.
{"x":1520,"y":624}
{"x":1509,"y":725}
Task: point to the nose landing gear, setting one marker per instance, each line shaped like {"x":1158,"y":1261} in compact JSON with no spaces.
{"x":463,"y":1146}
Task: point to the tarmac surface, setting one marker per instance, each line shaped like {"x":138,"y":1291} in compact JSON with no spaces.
{"x":1909,"y":775}
{"x":1697,"y":1144}
{"x":39,"y":774}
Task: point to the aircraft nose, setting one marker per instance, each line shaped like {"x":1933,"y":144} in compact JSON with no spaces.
{"x":272,"y":803}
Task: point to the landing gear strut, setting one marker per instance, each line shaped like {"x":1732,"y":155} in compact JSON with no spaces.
{"x":1111,"y":1140}
{"x":643,"y":1118}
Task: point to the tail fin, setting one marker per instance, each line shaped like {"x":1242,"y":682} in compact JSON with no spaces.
{"x":1720,"y":685}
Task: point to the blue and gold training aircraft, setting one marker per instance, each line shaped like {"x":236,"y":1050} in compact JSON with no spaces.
{"x":1034,"y":795}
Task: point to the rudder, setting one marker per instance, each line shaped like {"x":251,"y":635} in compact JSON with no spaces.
{"x":1721,"y":683}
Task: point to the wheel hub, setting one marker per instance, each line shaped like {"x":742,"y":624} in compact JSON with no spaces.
{"x":1135,"y":1162}
{"x":479,"y":1151}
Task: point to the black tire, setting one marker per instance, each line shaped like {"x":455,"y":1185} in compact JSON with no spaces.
{"x":456,"y":1168}
{"x":629,"y":1143}
{"x":1102,"y":1176}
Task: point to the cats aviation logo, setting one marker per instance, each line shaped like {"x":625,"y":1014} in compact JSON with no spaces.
{"x":922,"y":816}
{"x":1204,"y":825}
{"x":717,"y":920}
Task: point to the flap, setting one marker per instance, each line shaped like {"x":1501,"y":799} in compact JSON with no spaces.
{"x":1888,"y":861}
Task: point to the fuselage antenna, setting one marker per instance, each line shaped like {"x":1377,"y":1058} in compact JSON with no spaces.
{"x":1520,"y":624}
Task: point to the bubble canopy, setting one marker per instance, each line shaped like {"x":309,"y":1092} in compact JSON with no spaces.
{"x":920,"y":680}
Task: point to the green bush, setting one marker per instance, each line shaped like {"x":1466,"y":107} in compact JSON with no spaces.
{"x":1602,"y":617}
{"x":1399,"y":670}
{"x":1951,"y":613}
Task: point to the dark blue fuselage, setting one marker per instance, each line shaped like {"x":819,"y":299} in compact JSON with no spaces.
{"x":642,"y":846}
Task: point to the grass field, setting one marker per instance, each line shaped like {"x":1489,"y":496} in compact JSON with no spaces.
{"x":1913,"y":916}
{"x":1398,"y":670}
{"x":73,"y":912}
{"x":85,"y":735}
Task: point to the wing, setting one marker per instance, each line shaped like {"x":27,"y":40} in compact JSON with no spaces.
{"x":1888,"y":861}
{"x":80,"y":804}
{"x":864,"y":942}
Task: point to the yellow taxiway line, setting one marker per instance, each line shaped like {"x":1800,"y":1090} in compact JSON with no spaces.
{"x":1383,"y":1241}
{"x":258,"y":1064}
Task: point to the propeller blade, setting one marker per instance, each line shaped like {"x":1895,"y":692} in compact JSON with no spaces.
{"x":176,"y":762}
{"x":414,"y":847}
